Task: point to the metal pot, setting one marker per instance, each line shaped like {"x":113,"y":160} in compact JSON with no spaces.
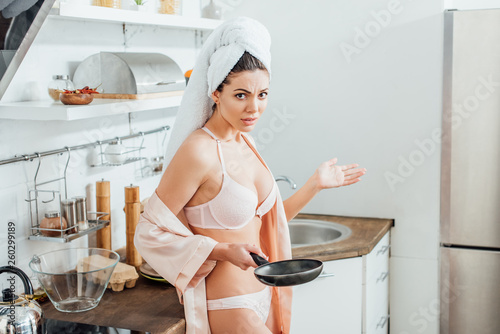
{"x":287,"y":272}
{"x":19,"y":315}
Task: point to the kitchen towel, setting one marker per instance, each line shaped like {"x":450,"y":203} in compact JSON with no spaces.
{"x":221,"y":51}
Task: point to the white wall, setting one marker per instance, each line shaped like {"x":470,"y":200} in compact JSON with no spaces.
{"x":377,"y":107}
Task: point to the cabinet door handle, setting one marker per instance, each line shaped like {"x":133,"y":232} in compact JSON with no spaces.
{"x":383,"y":276}
{"x":324,"y":275}
{"x":382,"y":321}
{"x":383,"y":250}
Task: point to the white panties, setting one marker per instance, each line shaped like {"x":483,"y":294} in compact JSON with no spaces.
{"x":260,"y":302}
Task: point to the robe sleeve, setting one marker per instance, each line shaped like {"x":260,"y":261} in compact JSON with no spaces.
{"x":170,"y":248}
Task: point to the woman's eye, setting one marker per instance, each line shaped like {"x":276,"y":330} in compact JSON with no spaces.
{"x":240,"y":96}
{"x":263,"y":95}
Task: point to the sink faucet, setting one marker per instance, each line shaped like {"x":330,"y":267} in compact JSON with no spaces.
{"x":286,"y":179}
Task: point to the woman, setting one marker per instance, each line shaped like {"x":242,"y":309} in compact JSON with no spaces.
{"x":221,"y":190}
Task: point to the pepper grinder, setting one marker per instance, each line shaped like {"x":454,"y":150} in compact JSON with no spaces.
{"x":103,"y":204}
{"x":132,"y":214}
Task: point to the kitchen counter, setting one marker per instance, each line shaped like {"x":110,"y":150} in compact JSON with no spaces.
{"x":366,"y":233}
{"x":154,"y":306}
{"x":150,"y":306}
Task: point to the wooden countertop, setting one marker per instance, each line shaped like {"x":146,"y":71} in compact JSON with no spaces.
{"x":150,"y":306}
{"x":154,"y":306}
{"x":366,"y":233}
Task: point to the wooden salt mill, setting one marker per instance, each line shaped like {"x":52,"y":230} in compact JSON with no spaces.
{"x":103,"y":204}
{"x":132,"y":214}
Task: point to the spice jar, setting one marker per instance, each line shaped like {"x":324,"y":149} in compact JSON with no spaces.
{"x":81,"y":212}
{"x":115,"y":152}
{"x":54,"y":221}
{"x":59,"y":82}
{"x":68,"y":209}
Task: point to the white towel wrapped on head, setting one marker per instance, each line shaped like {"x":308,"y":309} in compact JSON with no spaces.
{"x":221,"y":51}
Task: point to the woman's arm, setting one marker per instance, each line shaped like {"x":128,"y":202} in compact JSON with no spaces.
{"x":328,"y":175}
{"x":237,"y":254}
{"x":185,"y":174}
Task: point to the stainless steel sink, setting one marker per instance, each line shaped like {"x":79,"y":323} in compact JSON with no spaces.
{"x":309,"y":232}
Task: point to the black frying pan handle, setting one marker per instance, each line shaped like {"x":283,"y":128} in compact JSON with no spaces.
{"x":259,"y":260}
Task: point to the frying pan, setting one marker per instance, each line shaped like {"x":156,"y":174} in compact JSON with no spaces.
{"x":286,"y":272}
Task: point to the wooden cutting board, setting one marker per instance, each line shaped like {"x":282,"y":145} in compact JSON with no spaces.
{"x":138,"y":96}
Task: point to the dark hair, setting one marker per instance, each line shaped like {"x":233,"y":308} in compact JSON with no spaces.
{"x":247,"y":62}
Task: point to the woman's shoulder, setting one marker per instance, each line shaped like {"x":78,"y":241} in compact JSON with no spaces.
{"x":197,"y":147}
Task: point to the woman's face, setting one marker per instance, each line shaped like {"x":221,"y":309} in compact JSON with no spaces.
{"x":244,"y":99}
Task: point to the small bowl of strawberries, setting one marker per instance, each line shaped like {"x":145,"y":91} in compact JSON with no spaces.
{"x":78,"y":96}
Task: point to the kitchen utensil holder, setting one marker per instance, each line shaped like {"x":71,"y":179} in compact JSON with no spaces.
{"x":35,"y":200}
{"x":104,"y":163}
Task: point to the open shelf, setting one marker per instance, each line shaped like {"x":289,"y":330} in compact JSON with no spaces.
{"x":47,"y":110}
{"x":96,"y":13}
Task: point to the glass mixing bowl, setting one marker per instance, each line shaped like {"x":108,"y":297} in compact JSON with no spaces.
{"x":75,"y":278}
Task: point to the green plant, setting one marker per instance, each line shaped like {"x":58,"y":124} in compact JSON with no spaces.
{"x":140,"y":2}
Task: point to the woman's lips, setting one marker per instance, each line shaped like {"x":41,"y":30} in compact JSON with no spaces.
{"x":249,"y":121}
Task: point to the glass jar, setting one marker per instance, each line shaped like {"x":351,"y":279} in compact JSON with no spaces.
{"x":108,"y":3}
{"x":170,"y":7}
{"x":59,"y":82}
{"x":53,"y":221}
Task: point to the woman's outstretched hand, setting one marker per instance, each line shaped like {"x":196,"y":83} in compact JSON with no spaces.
{"x":329,"y":175}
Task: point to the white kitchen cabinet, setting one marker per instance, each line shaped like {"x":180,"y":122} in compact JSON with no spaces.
{"x":355,"y":300}
{"x":330,"y":304}
{"x":376,"y":288}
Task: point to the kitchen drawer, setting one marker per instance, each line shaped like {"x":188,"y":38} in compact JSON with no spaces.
{"x":332,"y":302}
{"x":376,"y":298}
{"x":377,"y":259}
